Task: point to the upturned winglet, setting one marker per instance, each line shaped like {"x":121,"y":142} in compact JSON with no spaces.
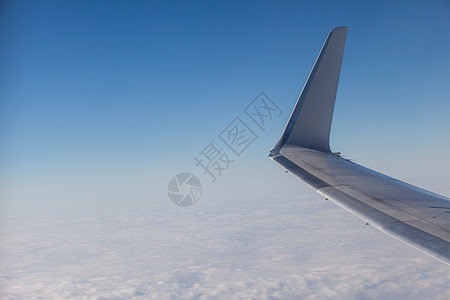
{"x":310,"y":122}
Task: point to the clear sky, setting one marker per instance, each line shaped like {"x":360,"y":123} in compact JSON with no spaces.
{"x":107,"y":100}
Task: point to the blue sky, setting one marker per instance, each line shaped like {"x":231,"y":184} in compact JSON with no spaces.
{"x":107,"y":100}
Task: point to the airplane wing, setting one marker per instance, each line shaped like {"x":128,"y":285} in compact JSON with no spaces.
{"x":415,"y":216}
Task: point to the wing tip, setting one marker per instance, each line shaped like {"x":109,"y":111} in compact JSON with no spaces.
{"x":339,"y":28}
{"x":314,"y":129}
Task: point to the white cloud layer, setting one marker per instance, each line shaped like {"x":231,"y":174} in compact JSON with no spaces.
{"x":283,"y":248}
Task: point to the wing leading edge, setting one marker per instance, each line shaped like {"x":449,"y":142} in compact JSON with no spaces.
{"x":413,"y":215}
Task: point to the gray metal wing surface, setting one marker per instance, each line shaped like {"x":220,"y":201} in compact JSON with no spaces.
{"x":415,"y":216}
